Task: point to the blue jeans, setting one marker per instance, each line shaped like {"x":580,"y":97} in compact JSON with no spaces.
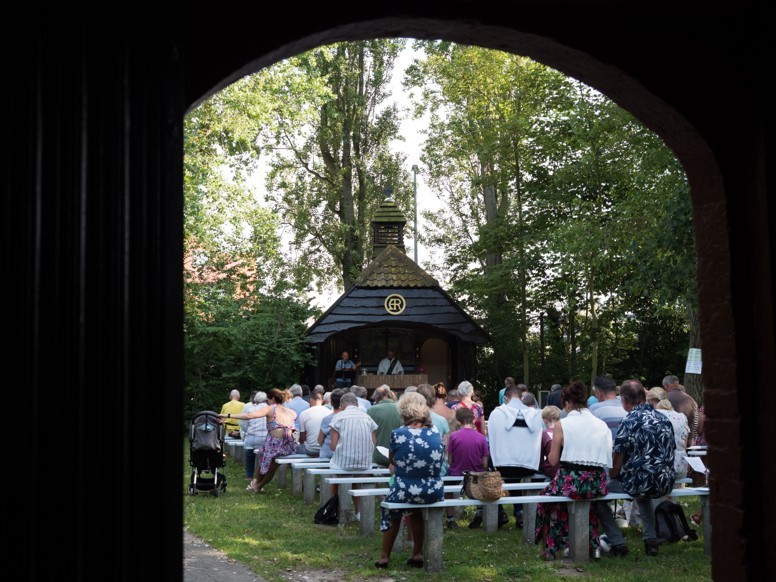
{"x":250,"y":445}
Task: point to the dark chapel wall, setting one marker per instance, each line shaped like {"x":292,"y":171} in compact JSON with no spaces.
{"x":92,"y":230}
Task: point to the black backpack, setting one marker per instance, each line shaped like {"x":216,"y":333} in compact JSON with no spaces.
{"x":671,"y":523}
{"x":328,"y":514}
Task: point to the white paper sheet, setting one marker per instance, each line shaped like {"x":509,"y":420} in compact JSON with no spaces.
{"x":696,"y":463}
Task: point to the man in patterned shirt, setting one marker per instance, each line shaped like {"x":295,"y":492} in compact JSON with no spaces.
{"x":643,"y":459}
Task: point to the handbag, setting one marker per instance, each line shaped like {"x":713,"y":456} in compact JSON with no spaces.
{"x":482,"y":485}
{"x":328,"y":513}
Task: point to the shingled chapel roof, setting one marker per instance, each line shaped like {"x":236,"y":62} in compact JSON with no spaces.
{"x":393,"y":268}
{"x":393,"y":273}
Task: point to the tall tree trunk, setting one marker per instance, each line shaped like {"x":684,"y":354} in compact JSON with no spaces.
{"x":693,"y":383}
{"x":592,"y":306}
{"x":350,"y":259}
{"x":572,"y":307}
{"x":348,"y":214}
{"x":521,"y":267}
{"x":490,"y":198}
{"x":541,"y":348}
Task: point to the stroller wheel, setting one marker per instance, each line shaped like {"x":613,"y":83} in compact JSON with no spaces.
{"x":215,"y":491}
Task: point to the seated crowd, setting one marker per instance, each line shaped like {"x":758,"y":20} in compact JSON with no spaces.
{"x":616,"y":439}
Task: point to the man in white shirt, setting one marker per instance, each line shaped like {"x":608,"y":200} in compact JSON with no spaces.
{"x":390,"y":364}
{"x":515,"y":441}
{"x":310,"y":426}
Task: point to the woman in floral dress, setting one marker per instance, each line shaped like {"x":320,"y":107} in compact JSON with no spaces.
{"x":416,"y":452}
{"x":582,"y":444}
{"x":280,"y":436}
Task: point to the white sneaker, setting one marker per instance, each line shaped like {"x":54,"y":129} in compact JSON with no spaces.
{"x":604,"y":541}
{"x":357,"y":516}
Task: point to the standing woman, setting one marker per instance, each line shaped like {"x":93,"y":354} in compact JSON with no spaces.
{"x":582,"y":444}
{"x":280,"y":436}
{"x":415,"y":455}
{"x":465,"y":393}
{"x":441,"y":407}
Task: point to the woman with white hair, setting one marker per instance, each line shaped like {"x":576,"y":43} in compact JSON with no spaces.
{"x":415,"y":454}
{"x":465,"y":393}
{"x":255,"y":433}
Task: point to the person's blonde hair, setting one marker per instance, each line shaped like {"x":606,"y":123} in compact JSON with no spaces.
{"x":413,"y":408}
{"x":664,"y":404}
{"x":657,"y":393}
{"x":550,"y":413}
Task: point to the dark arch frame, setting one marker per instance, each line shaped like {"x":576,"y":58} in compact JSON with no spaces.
{"x":93,"y":223}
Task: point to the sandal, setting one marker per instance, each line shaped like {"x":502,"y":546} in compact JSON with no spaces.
{"x":251,"y":487}
{"x":381,"y":565}
{"x":415,"y":563}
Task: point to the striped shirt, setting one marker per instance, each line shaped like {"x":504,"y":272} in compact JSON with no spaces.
{"x":611,"y":412}
{"x":355,"y":445}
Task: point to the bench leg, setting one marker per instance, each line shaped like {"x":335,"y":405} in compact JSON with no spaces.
{"x":433,"y":537}
{"x":579,"y":531}
{"x":325,"y":493}
{"x":368,"y":516}
{"x":345,"y":504}
{"x":529,"y":523}
{"x":296,"y":481}
{"x":308,"y":487}
{"x":282,"y":476}
{"x":706,"y":524}
{"x":490,"y":517}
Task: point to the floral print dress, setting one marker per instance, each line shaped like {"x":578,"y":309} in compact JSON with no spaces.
{"x":417,"y":457}
{"x":274,"y":446}
{"x":552,"y":519}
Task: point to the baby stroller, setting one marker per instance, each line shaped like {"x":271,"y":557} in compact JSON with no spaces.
{"x":206,"y":454}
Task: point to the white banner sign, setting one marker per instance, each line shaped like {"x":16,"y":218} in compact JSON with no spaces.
{"x":694,"y":362}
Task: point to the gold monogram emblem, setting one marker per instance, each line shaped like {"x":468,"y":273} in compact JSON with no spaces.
{"x":395,"y":304}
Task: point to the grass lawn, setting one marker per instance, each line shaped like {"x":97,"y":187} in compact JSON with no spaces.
{"x":273,"y":534}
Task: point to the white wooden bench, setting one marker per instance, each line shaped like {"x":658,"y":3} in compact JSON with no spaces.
{"x":282,"y":473}
{"x":308,"y":481}
{"x":297,"y":474}
{"x":234,"y":448}
{"x":579,"y":513}
{"x":490,"y":521}
{"x":433,"y":516}
{"x":346,"y":505}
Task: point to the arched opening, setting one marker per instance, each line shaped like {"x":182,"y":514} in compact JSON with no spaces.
{"x":704,"y":175}
{"x":93,"y":211}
